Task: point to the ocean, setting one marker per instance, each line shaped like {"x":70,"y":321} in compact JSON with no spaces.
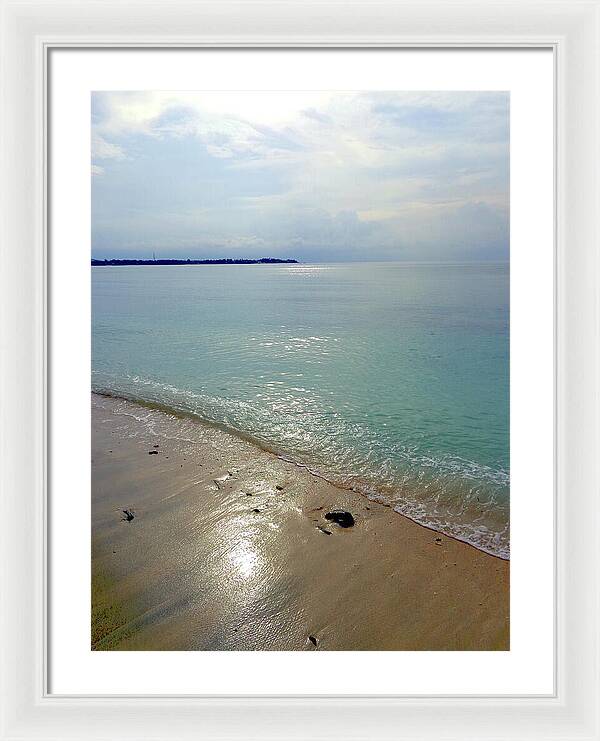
{"x":389,"y":378}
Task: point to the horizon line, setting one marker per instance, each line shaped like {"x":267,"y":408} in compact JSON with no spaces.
{"x":256,"y":260}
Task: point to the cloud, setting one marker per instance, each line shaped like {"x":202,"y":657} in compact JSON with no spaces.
{"x":315,"y":115}
{"x":104,"y":150}
{"x":314,"y":175}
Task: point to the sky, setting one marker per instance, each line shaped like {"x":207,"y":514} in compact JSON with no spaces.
{"x":315,"y":176}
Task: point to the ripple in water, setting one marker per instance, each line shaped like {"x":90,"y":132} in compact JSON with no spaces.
{"x":389,"y":379}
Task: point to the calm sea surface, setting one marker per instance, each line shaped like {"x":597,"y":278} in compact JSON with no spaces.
{"x":391,"y":378}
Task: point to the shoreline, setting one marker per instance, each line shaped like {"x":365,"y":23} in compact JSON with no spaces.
{"x":266,"y":448}
{"x":228,"y":549}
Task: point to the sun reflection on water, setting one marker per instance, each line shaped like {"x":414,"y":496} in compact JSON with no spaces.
{"x":244,"y":557}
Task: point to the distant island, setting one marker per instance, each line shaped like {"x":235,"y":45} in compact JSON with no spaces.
{"x":221,"y":261}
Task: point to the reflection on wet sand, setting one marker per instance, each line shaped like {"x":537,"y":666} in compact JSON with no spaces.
{"x":229,"y":548}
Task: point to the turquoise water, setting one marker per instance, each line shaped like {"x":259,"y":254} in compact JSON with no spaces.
{"x":391,"y":378}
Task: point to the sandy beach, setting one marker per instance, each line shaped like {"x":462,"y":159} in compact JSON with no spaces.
{"x":203,"y":541}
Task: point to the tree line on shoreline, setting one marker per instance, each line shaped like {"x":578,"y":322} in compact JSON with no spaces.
{"x":220,"y":261}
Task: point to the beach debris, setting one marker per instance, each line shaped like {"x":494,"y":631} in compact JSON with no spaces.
{"x":153,"y":452}
{"x":128,"y":515}
{"x":279,"y":487}
{"x":313,"y":640}
{"x":248,"y":494}
{"x":219,"y":481}
{"x":256,"y":510}
{"x":438,"y":541}
{"x":323,"y":530}
{"x":340,"y":517}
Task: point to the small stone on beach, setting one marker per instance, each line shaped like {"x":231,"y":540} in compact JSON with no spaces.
{"x":340,"y":517}
{"x":153,"y":452}
{"x":313,"y":640}
{"x":219,"y":481}
{"x":279,"y":487}
{"x":128,"y":515}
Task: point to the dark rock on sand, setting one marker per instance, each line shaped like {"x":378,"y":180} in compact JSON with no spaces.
{"x":313,"y":640}
{"x":279,"y":487}
{"x":153,"y":452}
{"x":341,"y":518}
{"x":128,"y":515}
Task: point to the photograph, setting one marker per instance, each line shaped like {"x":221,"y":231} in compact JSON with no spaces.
{"x":300,"y":370}
{"x":301,"y":414}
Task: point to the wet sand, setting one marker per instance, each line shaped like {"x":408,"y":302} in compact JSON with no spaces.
{"x":226,"y":547}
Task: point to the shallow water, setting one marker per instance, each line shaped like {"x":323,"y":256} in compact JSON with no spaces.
{"x":391,"y":378}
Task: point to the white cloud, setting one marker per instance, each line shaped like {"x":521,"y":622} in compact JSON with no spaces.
{"x":418,"y":173}
{"x":105,"y":150}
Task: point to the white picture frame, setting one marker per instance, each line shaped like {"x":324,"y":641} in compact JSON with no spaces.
{"x":29,"y":31}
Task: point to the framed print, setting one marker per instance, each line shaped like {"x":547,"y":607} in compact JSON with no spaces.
{"x":300,"y":382}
